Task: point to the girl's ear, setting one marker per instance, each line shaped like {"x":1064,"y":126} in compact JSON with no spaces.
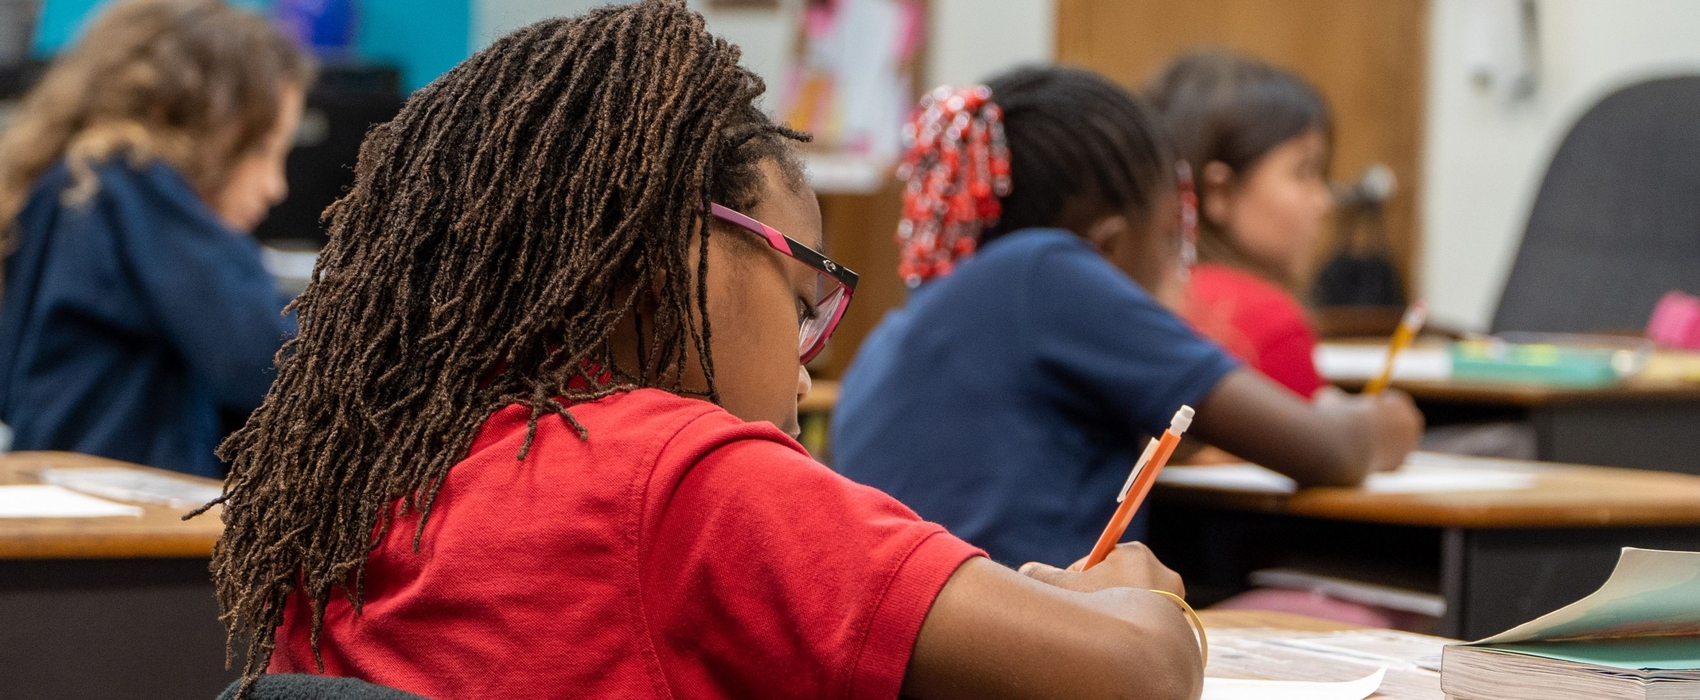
{"x":1109,"y":234}
{"x":1215,"y":186}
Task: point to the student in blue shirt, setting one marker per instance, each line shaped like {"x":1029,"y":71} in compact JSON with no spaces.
{"x":135,"y":315}
{"x":1011,"y":395}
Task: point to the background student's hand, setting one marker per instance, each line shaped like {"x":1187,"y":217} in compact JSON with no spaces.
{"x":1398,"y":428}
{"x":1396,"y":424}
{"x":1130,"y":565}
{"x":1335,"y":439}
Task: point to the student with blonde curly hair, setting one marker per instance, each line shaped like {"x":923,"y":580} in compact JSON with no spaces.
{"x":135,"y":316}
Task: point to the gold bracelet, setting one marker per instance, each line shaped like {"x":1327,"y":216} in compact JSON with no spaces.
{"x":1192,"y":619}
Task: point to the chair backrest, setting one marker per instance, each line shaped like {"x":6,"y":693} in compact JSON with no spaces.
{"x":1617,"y":221}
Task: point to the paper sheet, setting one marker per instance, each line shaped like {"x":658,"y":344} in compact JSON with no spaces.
{"x":131,"y":485}
{"x":1423,"y":472}
{"x":1241,"y":689}
{"x":1408,"y":661}
{"x":1341,"y":361}
{"x":47,"y":501}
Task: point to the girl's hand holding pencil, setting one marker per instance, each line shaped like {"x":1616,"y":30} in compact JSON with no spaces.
{"x":1129,"y":565}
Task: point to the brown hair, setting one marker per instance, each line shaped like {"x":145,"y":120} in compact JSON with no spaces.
{"x":1233,"y":109}
{"x":498,"y":231}
{"x":193,"y":83}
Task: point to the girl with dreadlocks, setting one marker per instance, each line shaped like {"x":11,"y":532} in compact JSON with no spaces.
{"x":136,"y":315}
{"x":531,"y":438}
{"x":1008,"y":398}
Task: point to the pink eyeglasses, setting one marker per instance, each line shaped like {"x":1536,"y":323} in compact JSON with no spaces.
{"x":834,"y":283}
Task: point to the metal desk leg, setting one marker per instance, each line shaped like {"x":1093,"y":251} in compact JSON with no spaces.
{"x":1452,"y":584}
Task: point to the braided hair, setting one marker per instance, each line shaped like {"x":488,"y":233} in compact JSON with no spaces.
{"x":1075,"y":147}
{"x":498,"y":231}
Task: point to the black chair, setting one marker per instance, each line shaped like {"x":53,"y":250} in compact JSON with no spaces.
{"x":1617,"y":221}
{"x":296,"y":686}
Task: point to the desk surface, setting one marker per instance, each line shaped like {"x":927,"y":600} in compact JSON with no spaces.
{"x":1563,"y":496}
{"x":159,"y":532}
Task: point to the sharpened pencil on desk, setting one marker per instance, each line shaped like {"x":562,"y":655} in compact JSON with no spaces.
{"x":1139,"y":484}
{"x":1409,"y":326}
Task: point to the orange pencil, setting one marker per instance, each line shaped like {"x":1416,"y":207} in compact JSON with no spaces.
{"x":1139,"y":483}
{"x":1409,"y":326}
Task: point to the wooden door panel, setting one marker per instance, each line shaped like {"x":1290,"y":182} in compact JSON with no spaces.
{"x":1368,"y":57}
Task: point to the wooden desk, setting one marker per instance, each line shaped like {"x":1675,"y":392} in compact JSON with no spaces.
{"x":160,"y":532}
{"x":1497,"y":558}
{"x":107,"y":607}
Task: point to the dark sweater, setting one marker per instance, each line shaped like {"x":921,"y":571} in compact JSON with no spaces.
{"x":130,"y":324}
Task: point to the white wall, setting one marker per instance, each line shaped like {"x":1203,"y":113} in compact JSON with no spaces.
{"x":1485,"y":155}
{"x":973,"y":39}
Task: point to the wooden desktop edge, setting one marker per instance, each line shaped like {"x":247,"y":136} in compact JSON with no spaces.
{"x":158,"y":533}
{"x":1262,"y":619}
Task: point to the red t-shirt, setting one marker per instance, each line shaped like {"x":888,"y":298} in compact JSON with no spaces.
{"x":678,"y":552}
{"x":1255,"y":321}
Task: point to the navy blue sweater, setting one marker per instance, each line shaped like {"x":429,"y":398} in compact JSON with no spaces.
{"x":131,"y":323}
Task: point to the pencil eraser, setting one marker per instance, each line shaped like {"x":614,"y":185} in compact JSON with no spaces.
{"x":1182,"y":420}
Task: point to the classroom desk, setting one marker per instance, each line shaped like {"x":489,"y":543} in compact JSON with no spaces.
{"x":1497,"y":558}
{"x":1638,"y":424}
{"x":107,"y":607}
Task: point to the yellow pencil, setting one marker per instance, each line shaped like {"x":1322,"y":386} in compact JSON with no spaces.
{"x":1407,"y":332}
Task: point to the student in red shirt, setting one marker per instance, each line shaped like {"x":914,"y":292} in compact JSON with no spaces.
{"x":531,"y":441}
{"x":1257,"y":138}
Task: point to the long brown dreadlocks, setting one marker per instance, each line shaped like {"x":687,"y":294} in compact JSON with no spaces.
{"x":497,"y":232}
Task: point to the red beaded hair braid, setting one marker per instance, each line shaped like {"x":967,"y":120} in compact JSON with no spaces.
{"x":955,"y":169}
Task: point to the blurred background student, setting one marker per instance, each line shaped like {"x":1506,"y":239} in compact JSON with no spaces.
{"x":1257,"y":139}
{"x":136,"y":317}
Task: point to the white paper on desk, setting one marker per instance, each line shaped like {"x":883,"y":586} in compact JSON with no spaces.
{"x":119,"y":483}
{"x":1423,"y":472}
{"x":47,"y":501}
{"x":1242,"y":689}
{"x":1229,"y":477}
{"x":1343,"y":361}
